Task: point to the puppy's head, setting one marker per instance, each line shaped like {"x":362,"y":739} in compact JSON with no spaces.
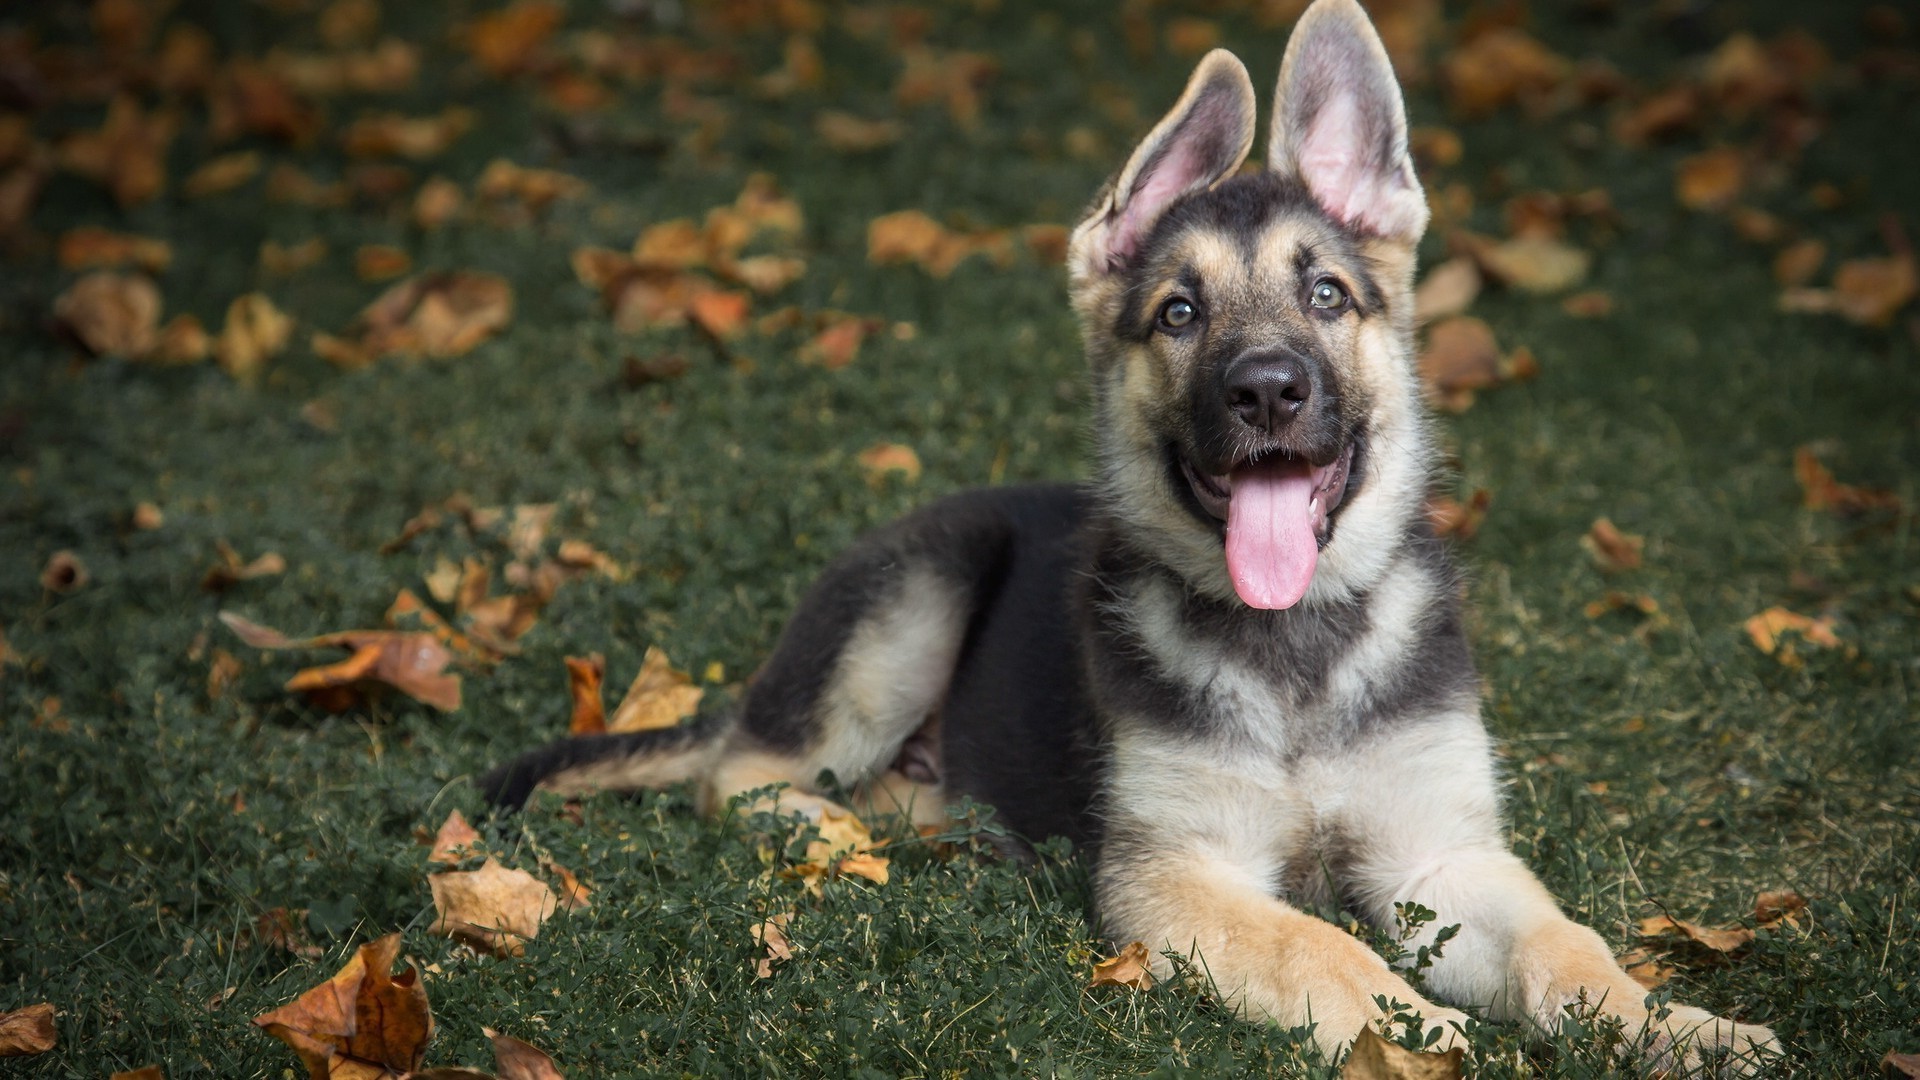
{"x":1250,"y":332}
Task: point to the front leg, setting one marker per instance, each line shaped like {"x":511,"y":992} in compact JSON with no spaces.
{"x":1188,"y":865}
{"x":1434,"y":837}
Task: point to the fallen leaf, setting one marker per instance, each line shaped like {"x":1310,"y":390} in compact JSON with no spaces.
{"x":380,"y":262}
{"x":535,"y":188}
{"x":1128,"y":968}
{"x":584,"y":676}
{"x":517,"y":1060}
{"x":766,"y":274}
{"x":1450,"y":517}
{"x":222,"y":174}
{"x":413,"y":663}
{"x":1896,"y":1066}
{"x":1820,"y":491}
{"x":1591,"y":304}
{"x":1461,"y":356}
{"x":182,"y":341}
{"x":1435,"y":147}
{"x":1773,"y":908}
{"x":408,"y":613}
{"x":1375,"y":1058}
{"x":232,"y":569}
{"x":363,"y":1022}
{"x":148,"y":516}
{"x":771,"y":933}
{"x":111,"y":313}
{"x":494,"y":909}
{"x":255,"y":332}
{"x":838,"y":342}
{"x":583,"y":557}
{"x":416,"y":138}
{"x":659,"y":697}
{"x":1048,"y":243}
{"x":1711,"y":179}
{"x":911,"y":236}
{"x":1721,"y":941}
{"x":277,"y":928}
{"x":64,"y":572}
{"x":1866,"y":291}
{"x":250,"y":98}
{"x":437,"y":315}
{"x":1615,"y":600}
{"x":1499,"y":67}
{"x":1661,"y":115}
{"x":679,"y":244}
{"x":222,"y":669}
{"x":127,"y":153}
{"x":573,"y":895}
{"x":864,"y":864}
{"x":1767,"y":629}
{"x":883,"y":458}
{"x":284,"y":259}
{"x":1645,"y":967}
{"x":438,"y":201}
{"x":1798,"y":262}
{"x":849,"y":134}
{"x":720,"y":313}
{"x":455,"y":841}
{"x":506,"y":41}
{"x":147,"y":1072}
{"x":1531,"y":263}
{"x":1448,"y":289}
{"x":27,"y":1031}
{"x":91,"y":247}
{"x":1613,"y":550}
{"x":939,"y":75}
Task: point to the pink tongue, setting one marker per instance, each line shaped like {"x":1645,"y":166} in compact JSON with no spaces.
{"x":1271,"y":548}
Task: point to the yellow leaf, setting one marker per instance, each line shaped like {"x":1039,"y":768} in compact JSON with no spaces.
{"x":493,"y":908}
{"x":1129,"y":968}
{"x":659,"y":697}
{"x":1374,"y":1058}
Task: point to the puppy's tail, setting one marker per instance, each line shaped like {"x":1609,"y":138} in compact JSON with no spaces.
{"x":619,"y":761}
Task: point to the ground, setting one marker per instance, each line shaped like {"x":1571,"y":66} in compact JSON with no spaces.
{"x":1659,"y":764}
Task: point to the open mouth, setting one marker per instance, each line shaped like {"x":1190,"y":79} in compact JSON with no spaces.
{"x":1279,"y":512}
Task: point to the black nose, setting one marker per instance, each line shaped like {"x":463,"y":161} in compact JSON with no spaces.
{"x":1267,"y":392}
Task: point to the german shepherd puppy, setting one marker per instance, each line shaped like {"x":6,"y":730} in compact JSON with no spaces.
{"x":1231,"y":667}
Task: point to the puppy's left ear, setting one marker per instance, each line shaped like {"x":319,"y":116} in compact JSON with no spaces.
{"x":1340,"y":125}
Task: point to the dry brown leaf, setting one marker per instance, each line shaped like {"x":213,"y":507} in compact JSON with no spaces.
{"x":363,"y":1022}
{"x":1532,"y":263}
{"x":1719,"y":940}
{"x":1711,"y":179}
{"x":659,"y":697}
{"x":766,"y":274}
{"x":111,"y":313}
{"x":584,"y":676}
{"x":1128,"y":968}
{"x":1435,"y":147}
{"x":284,"y":259}
{"x":388,"y":68}
{"x":507,"y":41}
{"x":182,"y":341}
{"x":882,"y":458}
{"x":1645,"y":967}
{"x":27,"y":1031}
{"x":838,"y":342}
{"x":145,"y":1072}
{"x":493,"y":909}
{"x":438,"y":201}
{"x":1613,"y":550}
{"x":864,"y":864}
{"x":64,"y":572}
{"x":1375,"y":1058}
{"x":1820,"y":491}
{"x":416,"y":138}
{"x":90,"y":247}
{"x":232,"y":569}
{"x":1767,"y":629}
{"x":849,"y":134}
{"x":1450,"y":517}
{"x":380,"y":262}
{"x":573,"y":894}
{"x":147,"y":516}
{"x":1773,"y":908}
{"x":912,"y":236}
{"x":1448,"y":289}
{"x":1591,"y":304}
{"x":1866,"y":291}
{"x":255,"y":332}
{"x":581,"y":556}
{"x":535,"y":188}
{"x":771,"y":933}
{"x":222,"y":174}
{"x":1896,"y":1066}
{"x":408,"y":613}
{"x":1499,"y":67}
{"x":936,"y":75}
{"x":127,"y":153}
{"x":249,"y":98}
{"x":719,"y":312}
{"x":276,"y":929}
{"x":1798,"y":262}
{"x":1615,"y":600}
{"x":455,"y":841}
{"x":411,"y":662}
{"x":437,"y":315}
{"x":517,"y":1060}
{"x":1461,"y":356}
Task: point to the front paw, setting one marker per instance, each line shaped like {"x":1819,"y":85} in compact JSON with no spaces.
{"x":1694,"y":1042}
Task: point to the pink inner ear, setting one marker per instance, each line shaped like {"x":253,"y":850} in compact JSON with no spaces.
{"x":1334,"y":161}
{"x":1171,"y":176}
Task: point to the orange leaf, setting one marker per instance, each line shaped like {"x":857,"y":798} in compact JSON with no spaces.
{"x":1798,"y":262}
{"x":255,"y":332}
{"x":1766,"y":629}
{"x":1646,"y":968}
{"x":849,"y":134}
{"x":1129,"y":969}
{"x":719,"y":313}
{"x":416,"y":138}
{"x":883,"y":458}
{"x":111,"y":313}
{"x":222,"y":174}
{"x":1774,"y":908}
{"x":584,"y":674}
{"x":231,"y":569}
{"x":1612,"y":549}
{"x":573,"y":894}
{"x":517,"y":1060}
{"x":362,"y":1020}
{"x":493,"y":908}
{"x":91,"y":247}
{"x":1820,"y":491}
{"x":442,"y":314}
{"x":837,"y":343}
{"x":455,"y":841}
{"x":378,"y":262}
{"x":28,"y":1031}
{"x":659,"y":697}
{"x":772,"y":933}
{"x":1719,"y":940}
{"x":1450,"y":517}
{"x":1711,"y":179}
{"x":506,"y":41}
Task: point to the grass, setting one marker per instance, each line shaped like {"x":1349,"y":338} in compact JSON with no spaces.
{"x":146,"y":823}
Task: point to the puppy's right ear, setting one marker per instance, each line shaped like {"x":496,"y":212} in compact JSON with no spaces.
{"x":1205,"y":137}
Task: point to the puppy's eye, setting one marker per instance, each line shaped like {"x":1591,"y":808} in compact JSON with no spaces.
{"x":1177,"y":313}
{"x":1327,"y":295}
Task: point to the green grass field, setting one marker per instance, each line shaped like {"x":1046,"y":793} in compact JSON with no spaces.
{"x":1665,"y":765}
